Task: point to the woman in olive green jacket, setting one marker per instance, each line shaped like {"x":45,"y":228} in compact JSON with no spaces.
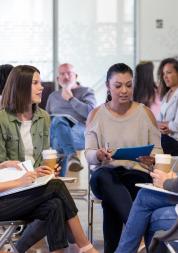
{"x":23,"y":135}
{"x":24,"y":127}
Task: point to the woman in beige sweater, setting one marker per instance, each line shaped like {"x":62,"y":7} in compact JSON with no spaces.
{"x":118,"y":123}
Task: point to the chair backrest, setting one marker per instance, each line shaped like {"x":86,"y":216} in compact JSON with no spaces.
{"x":167,"y":237}
{"x":48,"y":89}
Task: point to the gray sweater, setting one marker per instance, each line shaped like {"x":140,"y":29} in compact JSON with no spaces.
{"x":171,"y":185}
{"x":78,"y":107}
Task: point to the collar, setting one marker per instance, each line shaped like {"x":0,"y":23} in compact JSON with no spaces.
{"x":37,"y":114}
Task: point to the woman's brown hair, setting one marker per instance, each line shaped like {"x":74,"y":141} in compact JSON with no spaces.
{"x":16,"y":95}
{"x":164,"y":88}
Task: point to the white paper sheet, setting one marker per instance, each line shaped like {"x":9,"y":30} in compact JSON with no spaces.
{"x":150,"y":186}
{"x":11,"y":173}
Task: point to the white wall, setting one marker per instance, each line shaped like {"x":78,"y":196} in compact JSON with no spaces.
{"x":156,"y":43}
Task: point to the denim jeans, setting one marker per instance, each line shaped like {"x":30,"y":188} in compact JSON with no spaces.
{"x":151,"y":211}
{"x":162,"y":219}
{"x":66,"y":138}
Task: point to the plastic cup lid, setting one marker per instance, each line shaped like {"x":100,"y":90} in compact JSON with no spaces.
{"x":163,"y":158}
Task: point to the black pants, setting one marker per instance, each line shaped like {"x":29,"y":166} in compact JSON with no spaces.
{"x":116,"y":188}
{"x":169,"y":145}
{"x":34,"y":232}
{"x":51,"y":203}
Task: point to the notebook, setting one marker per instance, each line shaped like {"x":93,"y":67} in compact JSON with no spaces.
{"x":132,"y":153}
{"x":12,"y":173}
{"x":9,"y":174}
{"x":68,"y":116}
{"x":150,"y":186}
{"x":38,"y":182}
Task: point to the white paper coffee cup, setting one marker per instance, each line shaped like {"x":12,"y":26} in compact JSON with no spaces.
{"x":50,"y":157}
{"x":163,"y":162}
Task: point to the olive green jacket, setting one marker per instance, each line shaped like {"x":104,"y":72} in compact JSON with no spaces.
{"x":11,"y":145}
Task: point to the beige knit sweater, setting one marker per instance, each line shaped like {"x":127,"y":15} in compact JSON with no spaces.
{"x":136,"y":129}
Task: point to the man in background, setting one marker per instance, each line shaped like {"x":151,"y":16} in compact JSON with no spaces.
{"x":69,"y":108}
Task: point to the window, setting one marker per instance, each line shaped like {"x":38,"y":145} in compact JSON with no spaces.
{"x":26,"y":34}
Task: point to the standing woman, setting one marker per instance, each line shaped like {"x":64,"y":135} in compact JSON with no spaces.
{"x":168,"y":117}
{"x":118,"y":123}
{"x":145,"y":89}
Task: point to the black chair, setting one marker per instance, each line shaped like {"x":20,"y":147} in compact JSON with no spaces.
{"x":168,"y":237}
{"x":48,"y":89}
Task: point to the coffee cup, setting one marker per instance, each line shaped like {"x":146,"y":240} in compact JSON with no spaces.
{"x":163,"y":162}
{"x":50,"y":157}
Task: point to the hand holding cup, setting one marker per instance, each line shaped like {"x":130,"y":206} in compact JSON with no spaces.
{"x":163,"y":162}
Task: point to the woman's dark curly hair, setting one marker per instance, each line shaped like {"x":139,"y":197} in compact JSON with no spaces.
{"x":163,"y":88}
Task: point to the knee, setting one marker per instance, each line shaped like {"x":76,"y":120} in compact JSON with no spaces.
{"x":164,"y":214}
{"x":143,"y":196}
{"x":55,"y":205}
{"x":56,"y":183}
{"x":101,"y":176}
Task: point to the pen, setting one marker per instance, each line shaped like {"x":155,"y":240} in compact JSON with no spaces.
{"x":107,"y":146}
{"x":23,"y":165}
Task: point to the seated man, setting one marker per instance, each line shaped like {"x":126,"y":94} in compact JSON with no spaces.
{"x":69,"y":108}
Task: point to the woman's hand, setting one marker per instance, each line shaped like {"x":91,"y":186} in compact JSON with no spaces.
{"x":159,"y":177}
{"x":43,"y":171}
{"x":57,"y":169}
{"x":163,"y":127}
{"x":7,"y":164}
{"x":27,"y":179}
{"x":147,"y":162}
{"x":103,"y":155}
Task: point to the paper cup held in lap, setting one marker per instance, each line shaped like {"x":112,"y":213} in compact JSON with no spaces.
{"x":49,"y":157}
{"x":163,"y":162}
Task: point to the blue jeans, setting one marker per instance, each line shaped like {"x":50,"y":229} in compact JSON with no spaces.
{"x":151,"y":211}
{"x":66,"y":138}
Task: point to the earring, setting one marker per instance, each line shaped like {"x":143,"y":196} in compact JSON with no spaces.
{"x":108,"y":97}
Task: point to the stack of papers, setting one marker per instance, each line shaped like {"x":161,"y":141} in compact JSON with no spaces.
{"x":150,"y":186}
{"x":9,"y":174}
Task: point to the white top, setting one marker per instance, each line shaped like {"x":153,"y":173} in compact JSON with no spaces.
{"x":169,"y":113}
{"x":27,"y":139}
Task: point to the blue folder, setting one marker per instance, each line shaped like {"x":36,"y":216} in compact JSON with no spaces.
{"x":132,"y":153}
